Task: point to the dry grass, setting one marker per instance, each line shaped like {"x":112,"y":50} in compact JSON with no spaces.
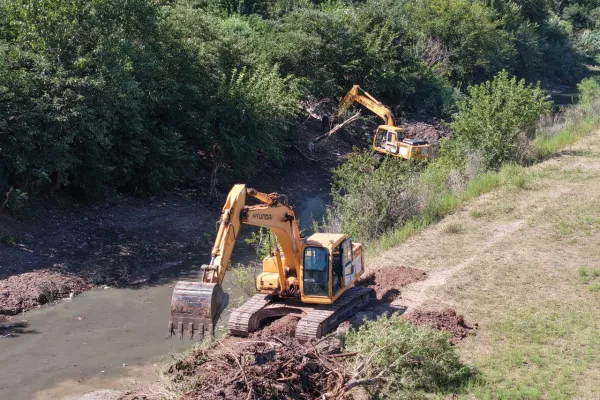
{"x":516,"y":270}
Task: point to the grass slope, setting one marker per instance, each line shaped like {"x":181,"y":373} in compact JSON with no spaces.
{"x":521,"y":261}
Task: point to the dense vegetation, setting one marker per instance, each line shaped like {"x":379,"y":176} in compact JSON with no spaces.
{"x":133,"y":95}
{"x":502,"y":125}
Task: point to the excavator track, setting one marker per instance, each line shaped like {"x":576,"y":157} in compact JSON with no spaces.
{"x":315,"y":321}
{"x":244,"y":319}
{"x":325,"y":318}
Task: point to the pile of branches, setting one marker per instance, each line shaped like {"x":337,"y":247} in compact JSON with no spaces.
{"x":266,"y":369}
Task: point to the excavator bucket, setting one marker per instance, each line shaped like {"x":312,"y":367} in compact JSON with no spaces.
{"x":195,"y":308}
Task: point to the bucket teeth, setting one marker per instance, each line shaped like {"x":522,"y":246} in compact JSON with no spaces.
{"x":195,"y":307}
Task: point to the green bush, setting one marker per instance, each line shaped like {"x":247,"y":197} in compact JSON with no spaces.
{"x":370,"y":199}
{"x":589,"y":90}
{"x":499,"y":119}
{"x":476,"y":47}
{"x":410,"y":358}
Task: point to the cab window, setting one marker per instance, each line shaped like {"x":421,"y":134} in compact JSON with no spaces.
{"x":391,"y":137}
{"x":316,"y":272}
{"x":346,"y":248}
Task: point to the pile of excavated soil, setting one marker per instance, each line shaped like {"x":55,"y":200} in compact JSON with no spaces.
{"x":432,"y":132}
{"x":387,"y":281}
{"x":446,"y":320}
{"x":26,"y":291}
{"x":284,"y":326}
{"x":234,"y":369}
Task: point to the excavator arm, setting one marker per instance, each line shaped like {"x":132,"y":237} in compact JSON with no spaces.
{"x":356,"y":94}
{"x":196,"y":306}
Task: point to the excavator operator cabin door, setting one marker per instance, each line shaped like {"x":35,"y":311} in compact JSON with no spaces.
{"x":347,"y":261}
{"x":391,"y":142}
{"x":316,"y":271}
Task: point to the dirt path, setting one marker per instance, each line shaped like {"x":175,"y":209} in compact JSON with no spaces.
{"x":523,"y":263}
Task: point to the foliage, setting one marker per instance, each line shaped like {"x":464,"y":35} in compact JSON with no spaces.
{"x":477,"y":48}
{"x":99,"y":95}
{"x":498,"y":118}
{"x":263,"y":241}
{"x":410,"y":358}
{"x":589,"y":90}
{"x":370,"y":199}
{"x":244,"y":278}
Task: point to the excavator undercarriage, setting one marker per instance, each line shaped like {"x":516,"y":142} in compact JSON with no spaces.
{"x":315,"y":321}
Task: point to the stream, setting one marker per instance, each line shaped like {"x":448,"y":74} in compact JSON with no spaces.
{"x":78,"y":345}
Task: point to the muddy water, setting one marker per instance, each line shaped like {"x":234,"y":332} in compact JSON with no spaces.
{"x":102,"y":333}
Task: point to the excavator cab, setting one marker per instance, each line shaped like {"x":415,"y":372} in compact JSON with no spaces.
{"x":316,"y":271}
{"x":390,"y":140}
{"x":331,"y":262}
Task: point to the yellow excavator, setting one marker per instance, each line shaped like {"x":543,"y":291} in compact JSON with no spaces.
{"x":312,"y":277}
{"x":389,"y":138}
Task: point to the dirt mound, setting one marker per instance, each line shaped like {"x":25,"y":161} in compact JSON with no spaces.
{"x":432,"y":132}
{"x":284,"y":326}
{"x":231,"y":369}
{"x":388,"y":281}
{"x":26,"y":291}
{"x":446,"y":320}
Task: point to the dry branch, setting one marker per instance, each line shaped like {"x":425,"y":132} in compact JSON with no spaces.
{"x":335,"y":128}
{"x":241,"y":368}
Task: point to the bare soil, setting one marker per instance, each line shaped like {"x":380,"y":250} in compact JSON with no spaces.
{"x":432,"y":132}
{"x":388,"y":281}
{"x":446,"y":320}
{"x":284,"y":327}
{"x":66,"y":247}
{"x":31,"y":289}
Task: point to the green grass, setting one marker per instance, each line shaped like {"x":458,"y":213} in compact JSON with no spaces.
{"x":436,"y":209}
{"x":545,"y":145}
{"x":536,"y":351}
{"x":513,"y":175}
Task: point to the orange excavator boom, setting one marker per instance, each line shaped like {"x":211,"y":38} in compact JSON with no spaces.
{"x":195,"y":306}
{"x":356,"y":94}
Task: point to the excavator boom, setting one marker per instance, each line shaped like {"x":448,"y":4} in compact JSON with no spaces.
{"x":356,"y":94}
{"x":196,"y":306}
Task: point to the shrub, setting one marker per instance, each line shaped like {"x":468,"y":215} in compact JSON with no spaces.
{"x":370,"y":199}
{"x":244,"y":278}
{"x":589,"y":90}
{"x":476,"y":46}
{"x":497,"y":118}
{"x":410,"y":358}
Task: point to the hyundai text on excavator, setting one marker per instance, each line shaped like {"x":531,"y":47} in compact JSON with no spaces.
{"x":388,"y":138}
{"x":312,"y":277}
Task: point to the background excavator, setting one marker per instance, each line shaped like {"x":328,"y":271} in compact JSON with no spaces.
{"x":388,"y":138}
{"x":312,"y":278}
